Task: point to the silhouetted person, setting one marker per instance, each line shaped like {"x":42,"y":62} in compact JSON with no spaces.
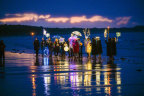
{"x":56,"y":47}
{"x":109,"y":51}
{"x":43,"y":45}
{"x":94,"y":47}
{"x":2,"y":49}
{"x":36,"y":46}
{"x":2,"y":54}
{"x":98,"y":47}
{"x":37,"y":61}
{"x":80,"y":48}
{"x":113,"y":47}
{"x":50,"y":47}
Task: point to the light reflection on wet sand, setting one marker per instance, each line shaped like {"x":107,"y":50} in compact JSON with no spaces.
{"x":82,"y":76}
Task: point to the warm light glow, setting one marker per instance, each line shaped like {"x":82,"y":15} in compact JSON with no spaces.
{"x":32,"y":33}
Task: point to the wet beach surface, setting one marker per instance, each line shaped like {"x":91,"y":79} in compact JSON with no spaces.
{"x":26,"y":75}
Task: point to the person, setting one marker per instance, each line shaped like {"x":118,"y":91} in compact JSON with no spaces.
{"x":70,"y":48}
{"x":56,"y":47}
{"x":113,"y":47}
{"x":80,"y":48}
{"x":98,"y":47}
{"x":2,"y":53}
{"x":88,"y":48}
{"x":36,"y":46}
{"x":2,"y":49}
{"x":94,"y":48}
{"x":50,"y":47}
{"x":109,"y":48}
{"x":75,"y":48}
{"x":62,"y":49}
{"x":43,"y":45}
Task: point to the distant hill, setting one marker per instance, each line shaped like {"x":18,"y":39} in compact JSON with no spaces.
{"x":9,"y":30}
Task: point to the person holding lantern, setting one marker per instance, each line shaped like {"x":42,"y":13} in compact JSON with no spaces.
{"x":94,"y":46}
{"x":98,"y":47}
{"x":80,"y":48}
{"x":88,"y":48}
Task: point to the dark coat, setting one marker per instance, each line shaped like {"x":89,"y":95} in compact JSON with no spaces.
{"x":43,"y":44}
{"x":98,"y":47}
{"x":113,"y":47}
{"x":75,"y":47}
{"x":36,"y":45}
{"x":109,"y":51}
{"x":94,"y":47}
{"x":2,"y":47}
{"x":56,"y":46}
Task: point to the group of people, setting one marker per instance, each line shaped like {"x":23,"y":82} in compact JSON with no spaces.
{"x":74,"y":47}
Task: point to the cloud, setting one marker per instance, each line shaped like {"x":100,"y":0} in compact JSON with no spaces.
{"x":58,"y":19}
{"x":123,"y":20}
{"x":35,"y":17}
{"x":79,"y":19}
{"x":23,"y":17}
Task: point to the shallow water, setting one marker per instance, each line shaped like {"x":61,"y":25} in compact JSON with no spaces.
{"x":26,"y":75}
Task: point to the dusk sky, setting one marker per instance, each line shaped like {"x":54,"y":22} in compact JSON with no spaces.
{"x":73,"y":13}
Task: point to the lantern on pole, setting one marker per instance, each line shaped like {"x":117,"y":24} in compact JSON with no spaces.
{"x":105,"y":33}
{"x":118,"y":34}
{"x":47,"y":35}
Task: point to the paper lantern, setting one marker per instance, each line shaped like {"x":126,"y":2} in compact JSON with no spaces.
{"x":66,"y":48}
{"x":118,"y":34}
{"x":105,"y":33}
{"x":47,"y":35}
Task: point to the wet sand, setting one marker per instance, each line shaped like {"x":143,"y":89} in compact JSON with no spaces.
{"x":26,"y":75}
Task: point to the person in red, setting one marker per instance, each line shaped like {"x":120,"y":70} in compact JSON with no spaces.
{"x":75,"y":48}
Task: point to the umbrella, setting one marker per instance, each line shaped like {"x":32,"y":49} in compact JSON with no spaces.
{"x":61,"y":40}
{"x":56,"y":36}
{"x":77,"y":33}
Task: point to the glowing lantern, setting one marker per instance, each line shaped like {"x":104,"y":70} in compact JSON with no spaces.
{"x":118,"y":34}
{"x":47,"y":35}
{"x":81,"y":44}
{"x":66,"y":48}
{"x":44,"y":32}
{"x":32,"y":33}
{"x":105,"y":33}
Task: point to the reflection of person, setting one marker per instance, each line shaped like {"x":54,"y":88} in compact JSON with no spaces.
{"x":37,"y":61}
{"x":36,"y":46}
{"x":98,"y":47}
{"x":43,"y":44}
{"x":87,"y":44}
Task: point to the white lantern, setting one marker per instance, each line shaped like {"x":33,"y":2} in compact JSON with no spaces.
{"x":66,"y":48}
{"x":47,"y":35}
{"x":44,"y":32}
{"x":105,"y":33}
{"x":118,"y":34}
